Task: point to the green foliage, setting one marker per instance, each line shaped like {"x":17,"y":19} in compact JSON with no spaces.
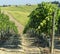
{"x":41,"y":18}
{"x":7,"y":28}
{"x":5,"y":23}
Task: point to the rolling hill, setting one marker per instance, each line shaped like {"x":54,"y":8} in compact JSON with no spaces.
{"x":20,"y":13}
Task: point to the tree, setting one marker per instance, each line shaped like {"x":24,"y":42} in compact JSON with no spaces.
{"x":41,"y":19}
{"x":56,"y":2}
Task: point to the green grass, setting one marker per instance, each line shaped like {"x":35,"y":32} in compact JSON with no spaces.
{"x":20,"y":13}
{"x":22,"y":17}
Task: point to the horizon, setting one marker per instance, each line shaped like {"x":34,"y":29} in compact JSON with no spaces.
{"x":23,"y":2}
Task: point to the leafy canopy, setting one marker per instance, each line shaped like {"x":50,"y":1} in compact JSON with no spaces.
{"x":41,"y":18}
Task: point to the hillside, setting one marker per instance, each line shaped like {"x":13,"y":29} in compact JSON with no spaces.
{"x":20,"y":13}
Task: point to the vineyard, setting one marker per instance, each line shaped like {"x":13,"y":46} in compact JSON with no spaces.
{"x":30,"y":29}
{"x":8,"y":30}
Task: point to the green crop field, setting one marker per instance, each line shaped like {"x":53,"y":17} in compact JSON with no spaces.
{"x":20,"y":13}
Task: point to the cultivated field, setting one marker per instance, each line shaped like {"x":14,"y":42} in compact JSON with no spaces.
{"x":20,"y":13}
